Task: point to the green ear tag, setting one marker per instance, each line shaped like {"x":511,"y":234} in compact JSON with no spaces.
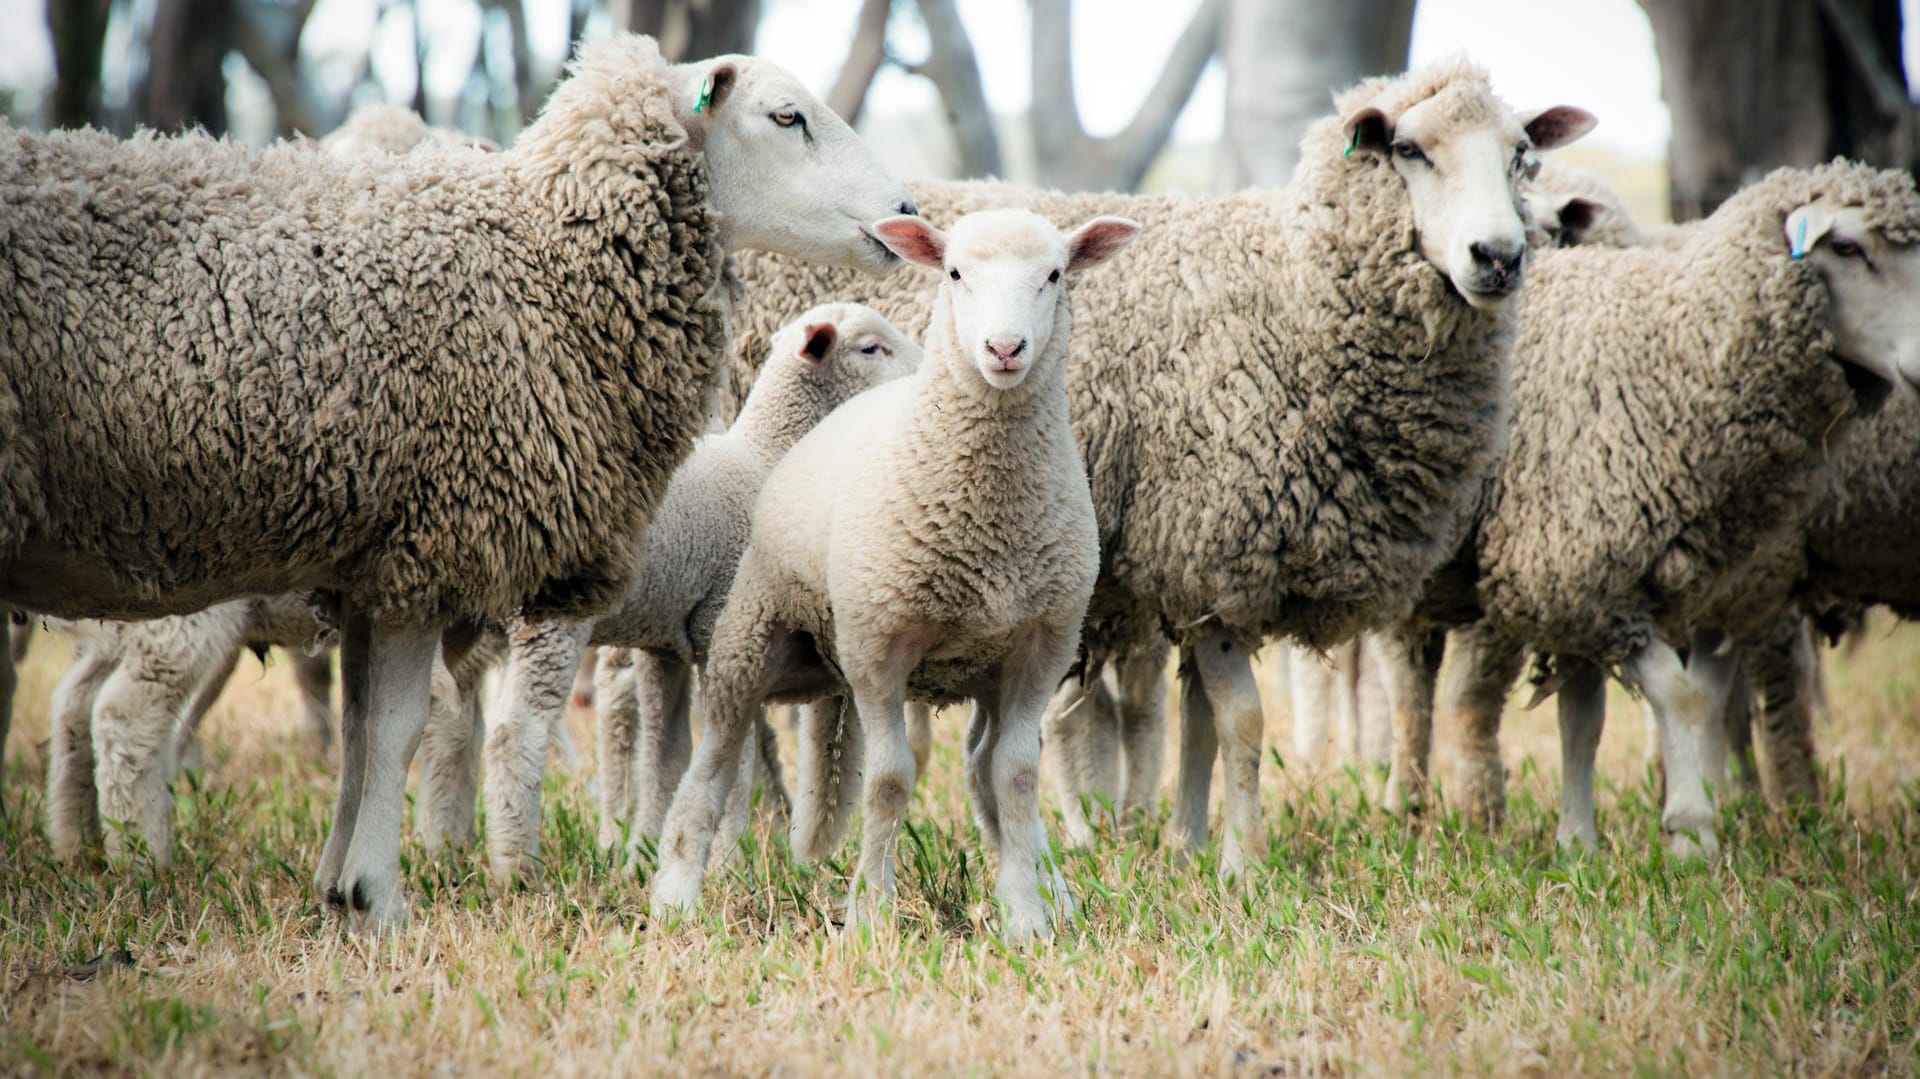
{"x":706,"y":94}
{"x":1354,"y":143}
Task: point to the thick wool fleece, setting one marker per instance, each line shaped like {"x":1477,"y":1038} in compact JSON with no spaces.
{"x":1863,"y":544}
{"x":1672,"y":410}
{"x":1286,"y":421}
{"x":379,"y":128}
{"x":449,"y":384}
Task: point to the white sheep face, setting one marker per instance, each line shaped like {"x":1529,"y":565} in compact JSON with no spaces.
{"x":1005,"y":281}
{"x":1874,"y":285}
{"x":1463,"y":168}
{"x":787,"y":173}
{"x":847,"y":344}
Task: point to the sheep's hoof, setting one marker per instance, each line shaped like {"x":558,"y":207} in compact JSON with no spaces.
{"x":676,"y":891}
{"x":376,"y":911}
{"x":1703,"y":844}
{"x":1402,"y":797}
{"x":1577,"y":840}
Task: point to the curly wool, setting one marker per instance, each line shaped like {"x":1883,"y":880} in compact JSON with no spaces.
{"x":1860,"y":545}
{"x":1673,"y":408}
{"x":1286,"y":421}
{"x":447,"y":385}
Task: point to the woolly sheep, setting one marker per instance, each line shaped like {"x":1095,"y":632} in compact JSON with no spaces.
{"x":1288,"y":428}
{"x":934,"y":538}
{"x":1706,"y":382}
{"x":686,"y":564}
{"x":448,"y":387}
{"x":382,"y":129}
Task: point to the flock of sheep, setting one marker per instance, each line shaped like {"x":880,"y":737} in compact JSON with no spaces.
{"x":454,"y":406}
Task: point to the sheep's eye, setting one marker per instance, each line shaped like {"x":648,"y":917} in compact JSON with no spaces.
{"x":873,"y":349}
{"x":955,"y":274}
{"x":789,"y":117}
{"x":1407,"y":151}
{"x":1847,"y":249}
{"x":1053,"y":278}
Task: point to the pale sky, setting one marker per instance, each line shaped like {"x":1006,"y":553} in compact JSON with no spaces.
{"x":1597,"y":54}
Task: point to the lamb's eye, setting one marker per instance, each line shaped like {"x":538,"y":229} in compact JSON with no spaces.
{"x":788,"y":117}
{"x":1407,"y":151}
{"x":1053,"y":278}
{"x":955,"y":274}
{"x":1847,"y":249}
{"x":873,"y":349}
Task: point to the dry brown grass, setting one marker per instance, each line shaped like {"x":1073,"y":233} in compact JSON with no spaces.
{"x":1364,"y":945}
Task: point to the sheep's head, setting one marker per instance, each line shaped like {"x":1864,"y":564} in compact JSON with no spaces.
{"x":845,"y":348}
{"x":1874,"y":285}
{"x":787,"y":173}
{"x":1006,"y":281}
{"x":1462,"y":155}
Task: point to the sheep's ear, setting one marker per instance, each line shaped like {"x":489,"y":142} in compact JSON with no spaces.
{"x":715,"y":86}
{"x":1368,"y":132}
{"x":1557,"y":126}
{"x":1099,"y":240}
{"x":1805,"y":226}
{"x":1578,"y":214}
{"x":914,"y":239}
{"x":819,"y":340}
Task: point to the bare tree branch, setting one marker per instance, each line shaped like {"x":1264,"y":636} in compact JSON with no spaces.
{"x":79,"y":32}
{"x":864,"y":57}
{"x":954,"y":70}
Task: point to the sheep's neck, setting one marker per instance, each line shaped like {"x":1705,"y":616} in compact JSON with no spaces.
{"x":772,"y":423}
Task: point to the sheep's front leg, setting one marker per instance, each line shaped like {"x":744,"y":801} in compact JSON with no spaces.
{"x":356,"y":641}
{"x":1786,"y":669}
{"x":1225,"y":673}
{"x":1487,"y":667}
{"x":396,"y":685}
{"x":313,"y":674}
{"x":1194,"y":786}
{"x":1408,"y":664}
{"x":1030,"y":887}
{"x":1141,"y":679}
{"x":1686,"y":699}
{"x":831,"y":747}
{"x":1583,"y":713}
{"x":73,"y":806}
{"x":1083,"y":753}
{"x":450,"y":748}
{"x":920,"y":736}
{"x":540,"y":672}
{"x":662,"y":702}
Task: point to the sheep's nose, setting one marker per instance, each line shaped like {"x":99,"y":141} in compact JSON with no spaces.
{"x":907,"y":207}
{"x":1006,"y":348}
{"x":1499,"y":259}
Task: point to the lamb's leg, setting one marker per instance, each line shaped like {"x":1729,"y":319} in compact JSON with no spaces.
{"x":775,"y":804}
{"x":314,"y":675}
{"x":616,"y":721}
{"x":1225,"y":671}
{"x":1030,"y":888}
{"x":1409,"y":663}
{"x":397,"y":685}
{"x":1310,"y":681}
{"x":831,"y":748}
{"x":1785,"y":668}
{"x":740,"y":663}
{"x":539,"y":678}
{"x":1082,"y":753}
{"x":1198,"y":742}
{"x":1477,"y":696}
{"x":161,"y":682}
{"x":1583,"y":712}
{"x":982,"y":738}
{"x":186,"y":733}
{"x":73,"y":806}
{"x":663,"y":699}
{"x":1141,"y":678}
{"x":1686,"y":699}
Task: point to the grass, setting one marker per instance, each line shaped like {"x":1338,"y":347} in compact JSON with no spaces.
{"x":1363,"y":945}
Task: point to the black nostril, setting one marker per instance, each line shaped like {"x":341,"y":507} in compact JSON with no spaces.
{"x":909,"y":208}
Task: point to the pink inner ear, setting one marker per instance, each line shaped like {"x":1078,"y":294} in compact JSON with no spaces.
{"x":1098,"y":240}
{"x":914,"y":239}
{"x":820,"y":337}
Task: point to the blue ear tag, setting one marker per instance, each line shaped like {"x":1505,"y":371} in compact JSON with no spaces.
{"x":706,"y":94}
{"x":1799,"y":249}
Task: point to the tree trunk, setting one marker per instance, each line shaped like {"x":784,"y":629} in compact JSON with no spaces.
{"x":1285,"y":61}
{"x":954,"y":70}
{"x":691,"y":29}
{"x":185,"y":85}
{"x":1756,"y":84}
{"x":864,"y":57}
{"x":79,"y":32}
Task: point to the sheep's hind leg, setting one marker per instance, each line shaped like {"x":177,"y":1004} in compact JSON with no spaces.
{"x":1477,"y":696}
{"x":1686,"y":700}
{"x":451,"y":747}
{"x":313,"y":673}
{"x":616,"y":724}
{"x":1409,"y":663}
{"x":1311,"y":685}
{"x":1198,"y":743}
{"x":1786,"y":671}
{"x":1225,"y":673}
{"x":1141,"y":679}
{"x":1583,"y":713}
{"x":1082,"y":728}
{"x":545,"y":656}
{"x":73,"y":806}
{"x":662,"y":705}
{"x":775,"y":804}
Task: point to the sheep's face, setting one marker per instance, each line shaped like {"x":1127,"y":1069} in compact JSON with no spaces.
{"x":1005,"y":281}
{"x":1462,"y":163}
{"x":1875,"y":291}
{"x":787,"y":174}
{"x":844,"y":349}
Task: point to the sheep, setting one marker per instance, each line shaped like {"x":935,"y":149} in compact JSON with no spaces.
{"x":447,"y":388}
{"x":382,"y":129}
{"x":1287,"y":430}
{"x":686,"y":564}
{"x":1707,"y":378}
{"x":1348,"y":684}
{"x":933,"y":538}
{"x":1107,"y":731}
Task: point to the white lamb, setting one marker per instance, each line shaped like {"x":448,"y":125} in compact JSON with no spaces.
{"x":933,"y":538}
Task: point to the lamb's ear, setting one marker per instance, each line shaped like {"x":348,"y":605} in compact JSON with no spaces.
{"x":1557,"y":126}
{"x":819,"y":340}
{"x":1805,"y":225}
{"x":914,"y":239}
{"x":1099,"y":240}
{"x":1367,"y":132}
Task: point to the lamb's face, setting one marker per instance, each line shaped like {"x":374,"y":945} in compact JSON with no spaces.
{"x":1006,"y":281}
{"x":1463,"y":162}
{"x":1875,"y":291}
{"x":846,"y":349}
{"x":787,"y":174}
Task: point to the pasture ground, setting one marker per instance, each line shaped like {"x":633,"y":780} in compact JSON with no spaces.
{"x":1364,"y":945}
